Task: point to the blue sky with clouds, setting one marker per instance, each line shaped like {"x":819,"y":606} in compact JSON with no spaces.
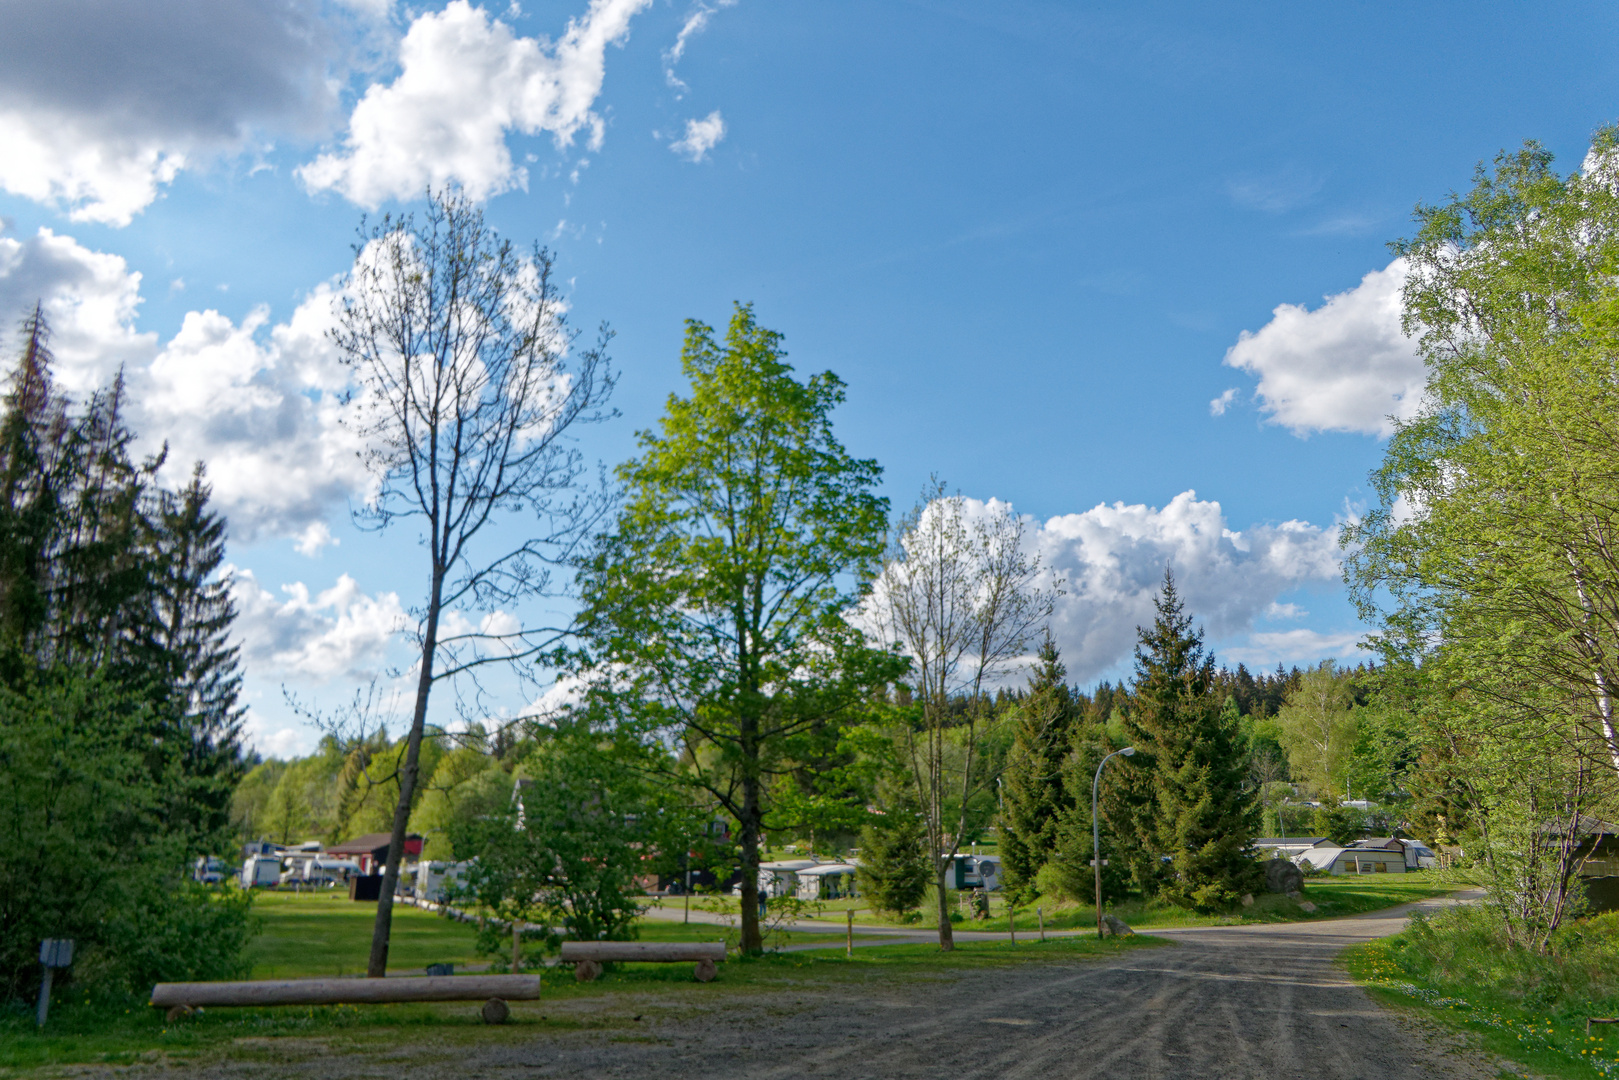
{"x":1122,"y":266}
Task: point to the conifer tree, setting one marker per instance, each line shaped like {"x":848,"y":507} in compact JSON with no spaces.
{"x":894,"y":867}
{"x":1032,"y":790}
{"x":1199,"y":813}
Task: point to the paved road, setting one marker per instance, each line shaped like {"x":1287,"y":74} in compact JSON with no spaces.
{"x":1253,"y":1001}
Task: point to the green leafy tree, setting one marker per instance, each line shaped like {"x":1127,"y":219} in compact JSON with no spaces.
{"x":715,"y":608}
{"x":567,"y":849}
{"x":1489,"y":561}
{"x":1035,"y":800}
{"x":1200,"y":813}
{"x":1319,"y":727}
{"x":894,"y":865}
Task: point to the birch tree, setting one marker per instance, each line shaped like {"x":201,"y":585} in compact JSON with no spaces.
{"x":468,"y":385}
{"x":961,"y":597}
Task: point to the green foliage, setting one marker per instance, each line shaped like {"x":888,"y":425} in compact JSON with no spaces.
{"x":119,"y":728}
{"x":894,"y":864}
{"x":1489,"y":562}
{"x":715,"y":607}
{"x":1343,"y":825}
{"x":1033,"y":793}
{"x":1196,"y":807}
{"x":1318,"y":726}
{"x":90,"y":855}
{"x":567,"y":850}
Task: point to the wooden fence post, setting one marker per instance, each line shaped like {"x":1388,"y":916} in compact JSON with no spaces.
{"x":1040,"y":913}
{"x":849,"y":943}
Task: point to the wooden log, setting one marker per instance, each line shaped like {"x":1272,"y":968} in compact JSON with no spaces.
{"x":348,"y":991}
{"x":644,"y":952}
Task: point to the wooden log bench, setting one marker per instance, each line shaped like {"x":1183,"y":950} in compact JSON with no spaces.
{"x":587,"y":957}
{"x":182,"y":998}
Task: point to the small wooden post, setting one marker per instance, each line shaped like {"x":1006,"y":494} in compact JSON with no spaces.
{"x":517,"y":946}
{"x":1040,"y":913}
{"x":1011,"y":926}
{"x":849,"y":942}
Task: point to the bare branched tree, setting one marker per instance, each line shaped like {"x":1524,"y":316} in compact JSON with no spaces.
{"x":961,"y":596}
{"x":465,"y":392}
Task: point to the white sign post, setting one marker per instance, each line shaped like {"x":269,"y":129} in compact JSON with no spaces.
{"x":53,"y":953}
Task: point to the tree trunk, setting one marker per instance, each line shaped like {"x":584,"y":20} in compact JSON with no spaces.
{"x":947,"y":934}
{"x":752,"y":942}
{"x":377,"y":966}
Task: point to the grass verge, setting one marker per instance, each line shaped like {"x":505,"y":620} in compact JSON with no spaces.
{"x":1456,"y":968}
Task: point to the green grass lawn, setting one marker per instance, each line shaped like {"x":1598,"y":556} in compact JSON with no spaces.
{"x":1332,"y":896}
{"x":314,"y":934}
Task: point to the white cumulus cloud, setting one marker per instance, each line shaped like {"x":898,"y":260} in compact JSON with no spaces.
{"x":1112,"y":559}
{"x":339,"y":633}
{"x":102,"y":104}
{"x":259,"y":404}
{"x":465,"y":82}
{"x":1344,"y":366}
{"x":701,"y":137}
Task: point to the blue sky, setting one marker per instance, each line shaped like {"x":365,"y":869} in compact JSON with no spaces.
{"x":1046,"y":245}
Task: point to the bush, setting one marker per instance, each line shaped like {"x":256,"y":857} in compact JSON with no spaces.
{"x":1058,"y":880}
{"x":1467,"y":946}
{"x":91,"y":850}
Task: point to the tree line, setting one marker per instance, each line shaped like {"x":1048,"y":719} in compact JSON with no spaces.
{"x":120,"y":729}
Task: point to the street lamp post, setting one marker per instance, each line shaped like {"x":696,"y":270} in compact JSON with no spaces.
{"x":1096,"y":833}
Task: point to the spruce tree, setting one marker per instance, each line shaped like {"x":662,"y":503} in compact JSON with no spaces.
{"x":1033,"y":797}
{"x":1199,"y":813}
{"x":894,"y":867}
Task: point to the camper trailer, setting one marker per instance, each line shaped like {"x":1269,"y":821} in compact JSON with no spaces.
{"x":432,"y":879}
{"x":828,"y":881}
{"x":974,"y":872}
{"x":259,"y":871}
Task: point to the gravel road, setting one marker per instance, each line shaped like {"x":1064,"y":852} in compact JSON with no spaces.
{"x":1250,"y":1001}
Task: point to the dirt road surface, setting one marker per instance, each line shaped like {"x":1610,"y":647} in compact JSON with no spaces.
{"x":1252,"y":1001}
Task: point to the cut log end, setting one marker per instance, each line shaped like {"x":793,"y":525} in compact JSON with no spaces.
{"x":495,"y":1011}
{"x":587,"y":971}
{"x":706,"y":970}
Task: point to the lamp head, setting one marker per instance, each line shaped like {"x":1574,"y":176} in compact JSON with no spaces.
{"x":1128,"y":751}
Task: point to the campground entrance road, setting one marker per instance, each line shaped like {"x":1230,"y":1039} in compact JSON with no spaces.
{"x":1245,"y":1001}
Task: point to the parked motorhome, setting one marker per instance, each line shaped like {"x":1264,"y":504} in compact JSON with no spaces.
{"x":208,"y":869}
{"x":780,"y":878}
{"x":319,"y":870}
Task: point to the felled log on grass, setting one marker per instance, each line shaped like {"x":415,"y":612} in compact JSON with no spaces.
{"x":180,"y":998}
{"x":587,"y":957}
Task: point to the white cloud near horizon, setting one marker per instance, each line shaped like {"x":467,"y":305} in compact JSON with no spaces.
{"x":102,"y":104}
{"x":1113,"y":559}
{"x":1344,"y":366}
{"x":466,"y":81}
{"x":701,"y":137}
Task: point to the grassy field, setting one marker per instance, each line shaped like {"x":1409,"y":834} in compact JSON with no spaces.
{"x":84,"y":1031}
{"x":1332,"y":896}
